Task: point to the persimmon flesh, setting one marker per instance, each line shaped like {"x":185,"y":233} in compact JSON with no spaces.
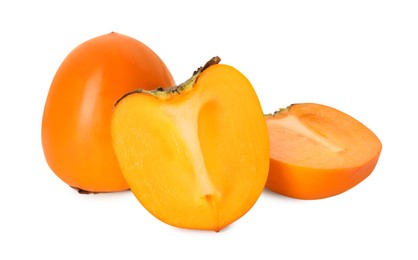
{"x":318,"y":151}
{"x":76,"y":135}
{"x":195,"y":156}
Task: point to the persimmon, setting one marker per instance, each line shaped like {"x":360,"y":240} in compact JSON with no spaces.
{"x":76,"y":135}
{"x":196,"y":156}
{"x":318,"y":151}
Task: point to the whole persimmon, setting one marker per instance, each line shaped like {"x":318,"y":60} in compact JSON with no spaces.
{"x":76,"y":135}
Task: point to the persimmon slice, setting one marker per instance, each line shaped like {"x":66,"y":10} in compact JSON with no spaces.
{"x":195,"y":156}
{"x":317,"y":151}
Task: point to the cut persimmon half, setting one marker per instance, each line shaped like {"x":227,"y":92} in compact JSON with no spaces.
{"x":197,"y":155}
{"x":317,"y":151}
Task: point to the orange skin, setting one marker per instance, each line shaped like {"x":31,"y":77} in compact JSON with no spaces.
{"x":76,"y":135}
{"x":318,"y":152}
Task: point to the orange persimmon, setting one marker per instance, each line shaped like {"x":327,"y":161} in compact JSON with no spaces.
{"x":195,"y":156}
{"x":76,"y":135}
{"x":317,"y":151}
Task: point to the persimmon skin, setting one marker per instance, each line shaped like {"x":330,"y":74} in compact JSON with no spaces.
{"x":76,"y":137}
{"x":291,"y":181}
{"x":337,"y":153}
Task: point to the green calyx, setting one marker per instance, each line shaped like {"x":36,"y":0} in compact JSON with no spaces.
{"x":162,"y":93}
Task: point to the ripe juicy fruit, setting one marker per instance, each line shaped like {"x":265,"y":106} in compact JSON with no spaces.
{"x":76,"y":135}
{"x":318,"y":151}
{"x":197,"y":155}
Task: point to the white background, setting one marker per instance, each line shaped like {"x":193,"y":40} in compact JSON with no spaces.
{"x":360,"y":57}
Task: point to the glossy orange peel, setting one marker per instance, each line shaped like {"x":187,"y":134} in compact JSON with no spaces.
{"x":76,"y":135}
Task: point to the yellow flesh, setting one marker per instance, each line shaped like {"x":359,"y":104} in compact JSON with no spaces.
{"x":321,"y":137}
{"x":202,"y":153}
{"x":292,"y":123}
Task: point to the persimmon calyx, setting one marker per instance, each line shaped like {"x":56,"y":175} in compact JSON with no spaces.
{"x":81,"y":191}
{"x":162,"y":93}
{"x":281,"y":110}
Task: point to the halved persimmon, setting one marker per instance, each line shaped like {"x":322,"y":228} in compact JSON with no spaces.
{"x":76,"y":122}
{"x":195,"y":156}
{"x":317,"y":151}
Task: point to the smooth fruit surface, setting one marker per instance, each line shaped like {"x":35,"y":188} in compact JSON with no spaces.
{"x":318,"y":151}
{"x":76,"y":135}
{"x":196,"y":156}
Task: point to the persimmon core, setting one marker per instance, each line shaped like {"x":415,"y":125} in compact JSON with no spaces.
{"x":293,"y":124}
{"x":185,"y":116}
